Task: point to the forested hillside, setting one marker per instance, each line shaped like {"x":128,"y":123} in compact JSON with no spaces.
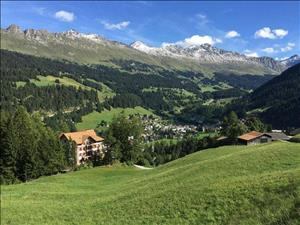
{"x":80,"y":89}
{"x":277,"y":102}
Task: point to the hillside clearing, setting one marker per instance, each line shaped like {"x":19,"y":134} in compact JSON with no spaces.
{"x":92,"y":120}
{"x":227,"y":185}
{"x":43,"y":81}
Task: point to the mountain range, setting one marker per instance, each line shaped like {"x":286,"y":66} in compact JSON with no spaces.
{"x":206,"y":53}
{"x":171,"y":80}
{"x":95,"y":49}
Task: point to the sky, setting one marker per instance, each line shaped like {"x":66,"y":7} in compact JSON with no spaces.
{"x":270,"y":28}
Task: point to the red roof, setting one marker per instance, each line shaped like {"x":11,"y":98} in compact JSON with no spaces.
{"x":250,"y":136}
{"x":80,"y":136}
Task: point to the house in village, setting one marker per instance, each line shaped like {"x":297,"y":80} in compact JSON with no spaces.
{"x":87,"y":143}
{"x":254,"y":137}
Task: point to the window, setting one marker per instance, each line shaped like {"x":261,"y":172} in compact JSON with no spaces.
{"x":264,"y":140}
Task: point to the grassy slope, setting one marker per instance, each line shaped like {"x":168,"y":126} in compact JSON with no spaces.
{"x":90,"y":53}
{"x":229,"y":185}
{"x":91,"y":120}
{"x":81,"y":52}
{"x":50,"y":80}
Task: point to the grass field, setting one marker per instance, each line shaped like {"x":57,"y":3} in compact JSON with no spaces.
{"x":91,"y":120}
{"x":257,"y":185}
{"x":50,"y":80}
{"x":165,"y":140}
{"x":201,"y":135}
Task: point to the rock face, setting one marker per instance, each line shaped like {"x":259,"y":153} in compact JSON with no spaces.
{"x":289,"y":62}
{"x":43,"y":36}
{"x":271,"y":63}
{"x":206,"y":53}
{"x":14,"y":29}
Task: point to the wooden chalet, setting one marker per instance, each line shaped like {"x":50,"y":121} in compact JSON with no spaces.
{"x":254,"y":137}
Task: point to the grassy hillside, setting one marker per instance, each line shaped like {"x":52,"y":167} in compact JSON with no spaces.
{"x":91,"y":53}
{"x":91,"y":120}
{"x":228,"y":185}
{"x":43,"y":81}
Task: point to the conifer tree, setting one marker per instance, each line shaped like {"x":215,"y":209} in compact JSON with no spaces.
{"x":25,"y":142}
{"x":8,"y":152}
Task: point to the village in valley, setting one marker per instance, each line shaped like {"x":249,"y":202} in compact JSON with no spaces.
{"x":89,"y":144}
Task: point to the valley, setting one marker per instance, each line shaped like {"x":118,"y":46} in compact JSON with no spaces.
{"x":150,"y":112}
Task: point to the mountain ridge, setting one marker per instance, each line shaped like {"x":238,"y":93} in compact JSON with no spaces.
{"x":98,"y":49}
{"x":209,"y":53}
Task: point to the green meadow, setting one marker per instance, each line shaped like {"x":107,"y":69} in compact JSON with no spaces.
{"x":248,"y":185}
{"x":92,"y":120}
{"x":43,"y":81}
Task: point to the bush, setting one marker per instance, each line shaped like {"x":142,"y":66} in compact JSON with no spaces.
{"x":296,"y":138}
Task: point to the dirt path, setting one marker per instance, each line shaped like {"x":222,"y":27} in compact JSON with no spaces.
{"x":142,"y":167}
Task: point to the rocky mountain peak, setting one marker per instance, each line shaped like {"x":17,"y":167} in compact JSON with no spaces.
{"x":293,"y":60}
{"x":138,"y":44}
{"x":71,"y":32}
{"x":13,"y":28}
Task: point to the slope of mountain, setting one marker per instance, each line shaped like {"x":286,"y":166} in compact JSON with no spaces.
{"x":227,"y":185}
{"x":279,"y":99}
{"x":94,"y":49}
{"x":293,"y":60}
{"x":207,"y":54}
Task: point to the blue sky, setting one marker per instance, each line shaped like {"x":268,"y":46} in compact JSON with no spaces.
{"x":254,"y":28}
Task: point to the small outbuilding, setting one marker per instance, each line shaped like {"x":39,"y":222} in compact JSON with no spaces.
{"x":254,"y":137}
{"x":278,"y":136}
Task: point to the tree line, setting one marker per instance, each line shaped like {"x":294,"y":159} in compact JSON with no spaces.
{"x":29,"y":149}
{"x":278,"y":99}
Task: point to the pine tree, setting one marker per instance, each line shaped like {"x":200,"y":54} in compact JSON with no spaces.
{"x":25,"y":142}
{"x":8,"y":152}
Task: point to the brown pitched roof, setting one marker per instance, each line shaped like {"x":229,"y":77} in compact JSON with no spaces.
{"x":80,"y":136}
{"x":278,"y":136}
{"x":251,"y":135}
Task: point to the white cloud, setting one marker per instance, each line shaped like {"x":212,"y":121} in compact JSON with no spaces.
{"x":288,"y":47}
{"x":269,"y":50}
{"x":201,"y":16}
{"x":232,"y":34}
{"x":280,"y":32}
{"x":196,"y":40}
{"x":201,"y":19}
{"x":218,"y":40}
{"x":115,"y":26}
{"x":40,"y":10}
{"x":266,"y":32}
{"x":250,"y":53}
{"x":282,"y":58}
{"x":64,"y":16}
